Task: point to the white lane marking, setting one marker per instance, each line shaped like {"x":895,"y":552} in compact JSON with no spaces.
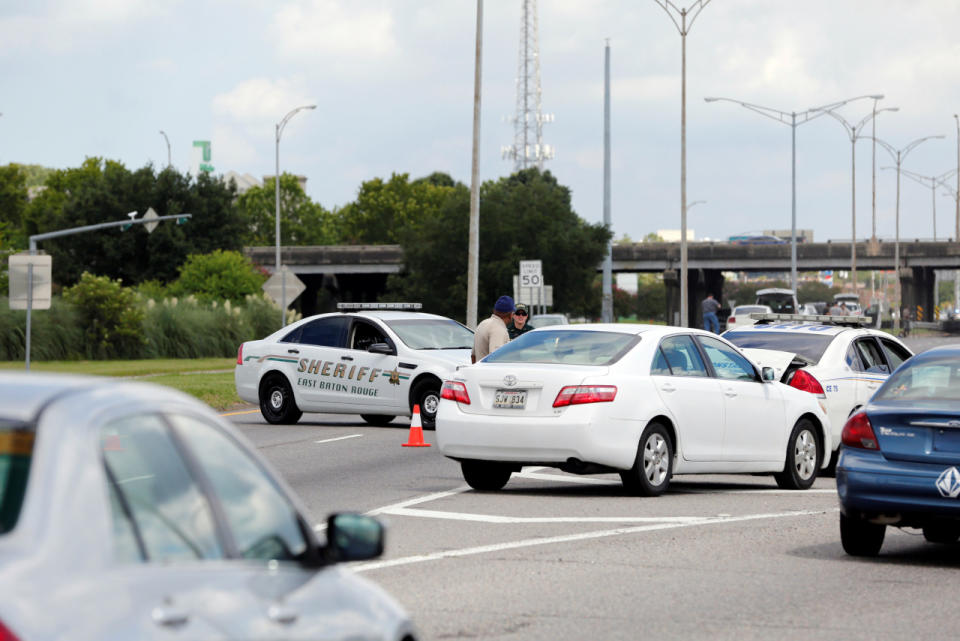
{"x":339,"y":438}
{"x":680,"y":490}
{"x":512,"y":545}
{"x":320,"y":527}
{"x":566,"y":479}
{"x":535,"y":476}
{"x":492,"y":518}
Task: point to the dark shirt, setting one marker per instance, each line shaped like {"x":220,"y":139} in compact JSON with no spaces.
{"x":514,"y":332}
{"x":710,"y":306}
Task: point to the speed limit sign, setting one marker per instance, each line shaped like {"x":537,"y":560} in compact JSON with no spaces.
{"x":531,"y":273}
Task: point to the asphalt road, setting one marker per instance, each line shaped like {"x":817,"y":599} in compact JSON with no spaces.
{"x":570,"y":557}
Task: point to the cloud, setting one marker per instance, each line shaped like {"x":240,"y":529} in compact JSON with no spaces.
{"x":258,"y":101}
{"x":325,"y":28}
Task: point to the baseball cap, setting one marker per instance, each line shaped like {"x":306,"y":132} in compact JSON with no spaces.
{"x":504,"y":305}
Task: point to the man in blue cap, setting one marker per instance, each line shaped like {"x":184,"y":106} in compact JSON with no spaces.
{"x":492,"y":332}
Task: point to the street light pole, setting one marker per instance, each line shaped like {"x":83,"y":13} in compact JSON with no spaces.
{"x":168,"y":147}
{"x":276,"y":181}
{"x":899,"y":155}
{"x":853,"y":132}
{"x":473,"y":240}
{"x":934,"y":182}
{"x":684,"y":28}
{"x":790,"y":119}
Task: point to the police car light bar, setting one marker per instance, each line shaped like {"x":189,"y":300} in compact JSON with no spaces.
{"x":814,"y":318}
{"x":347,"y":307}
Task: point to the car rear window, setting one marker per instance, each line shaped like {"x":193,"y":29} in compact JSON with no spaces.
{"x":16,"y":452}
{"x":569,"y":347}
{"x":808,"y":345}
{"x":933,"y":380}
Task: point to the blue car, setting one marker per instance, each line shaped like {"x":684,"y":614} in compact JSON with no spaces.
{"x":900,"y":456}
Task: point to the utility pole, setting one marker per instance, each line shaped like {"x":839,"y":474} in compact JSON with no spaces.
{"x":607,"y":307}
{"x":473,"y":244}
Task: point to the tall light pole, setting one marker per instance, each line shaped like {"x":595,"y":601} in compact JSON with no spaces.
{"x":684,"y":28}
{"x":934,"y":181}
{"x":791,"y":119}
{"x":853,"y":132}
{"x":606,"y":310}
{"x":696,"y":202}
{"x":473,"y":241}
{"x":164,"y":134}
{"x":276,"y":181}
{"x":898,"y":156}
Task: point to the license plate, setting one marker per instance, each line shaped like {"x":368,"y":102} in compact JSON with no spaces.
{"x":510,"y":399}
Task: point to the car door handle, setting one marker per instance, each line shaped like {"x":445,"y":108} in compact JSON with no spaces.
{"x":729,"y":393}
{"x":168,"y":616}
{"x":293,"y":351}
{"x":282,"y":614}
{"x":346,"y":358}
{"x":668,"y":388}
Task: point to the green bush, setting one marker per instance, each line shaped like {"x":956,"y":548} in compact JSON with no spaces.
{"x":55,"y":334}
{"x":111,"y":318}
{"x":221,"y":275}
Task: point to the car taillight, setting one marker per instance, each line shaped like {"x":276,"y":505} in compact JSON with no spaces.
{"x":455,"y":391}
{"x":580,"y":394}
{"x":240,"y":354}
{"x":6,"y":634}
{"x":805,"y":382}
{"x":858,"y":432}
{"x":731,"y":320}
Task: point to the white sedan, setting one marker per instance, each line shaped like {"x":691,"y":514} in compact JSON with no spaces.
{"x":371,"y":359}
{"x":841,"y":365}
{"x":645,"y":401}
{"x":740,"y":316}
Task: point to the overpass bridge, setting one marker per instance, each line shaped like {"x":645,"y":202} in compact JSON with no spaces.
{"x":359,"y":272}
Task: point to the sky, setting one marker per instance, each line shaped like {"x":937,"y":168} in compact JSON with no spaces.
{"x":393,"y":85}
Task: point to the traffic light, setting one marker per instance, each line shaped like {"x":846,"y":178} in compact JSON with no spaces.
{"x":182,"y":220}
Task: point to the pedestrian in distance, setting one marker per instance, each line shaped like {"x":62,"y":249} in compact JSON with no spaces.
{"x":492,"y":332}
{"x":710,"y":321}
{"x":838,"y":309}
{"x":519,"y":324}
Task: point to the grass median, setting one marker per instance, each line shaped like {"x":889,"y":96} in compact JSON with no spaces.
{"x":208,"y":379}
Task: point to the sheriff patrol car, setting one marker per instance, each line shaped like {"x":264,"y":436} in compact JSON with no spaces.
{"x":836,"y":358}
{"x":377,"y":360}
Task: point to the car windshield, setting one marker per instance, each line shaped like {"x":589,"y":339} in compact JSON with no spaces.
{"x":16,"y":452}
{"x":566,"y":346}
{"x":807,"y":345}
{"x":933,"y":380}
{"x":432,"y":333}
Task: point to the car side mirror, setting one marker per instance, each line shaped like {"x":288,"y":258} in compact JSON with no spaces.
{"x":353,"y":537}
{"x":768,"y":374}
{"x":381,"y":348}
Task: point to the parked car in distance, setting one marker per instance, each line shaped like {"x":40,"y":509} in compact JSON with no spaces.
{"x":545,"y":320}
{"x":756,"y":239}
{"x":779,"y":300}
{"x":740,"y":316}
{"x":818,"y":308}
{"x":900,"y":458}
{"x":132,"y":511}
{"x":842,"y":365}
{"x":377,"y":360}
{"x":644,"y":401}
{"x":851,"y":301}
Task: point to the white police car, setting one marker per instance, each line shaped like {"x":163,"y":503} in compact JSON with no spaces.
{"x":834,"y":357}
{"x":377,"y":360}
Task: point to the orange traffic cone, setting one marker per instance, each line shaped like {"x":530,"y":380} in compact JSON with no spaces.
{"x":416,"y":430}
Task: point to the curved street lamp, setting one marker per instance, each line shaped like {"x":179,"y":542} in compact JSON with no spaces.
{"x":790,"y":118}
{"x":283,"y":278}
{"x":164,"y":134}
{"x":898,"y":156}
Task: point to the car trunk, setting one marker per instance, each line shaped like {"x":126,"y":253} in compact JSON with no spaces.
{"x":533,"y":390}
{"x":920,"y":435}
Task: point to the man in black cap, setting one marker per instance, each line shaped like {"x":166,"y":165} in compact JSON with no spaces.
{"x":519,"y":324}
{"x":492,"y":332}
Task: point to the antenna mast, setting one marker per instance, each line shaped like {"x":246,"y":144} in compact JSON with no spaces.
{"x":528,"y":148}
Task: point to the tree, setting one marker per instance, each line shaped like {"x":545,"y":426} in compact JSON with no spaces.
{"x":13,"y":203}
{"x":218,"y":276}
{"x":110,"y":316}
{"x":527,"y":215}
{"x":384,"y":210}
{"x":302,"y":221}
{"x":103,"y":191}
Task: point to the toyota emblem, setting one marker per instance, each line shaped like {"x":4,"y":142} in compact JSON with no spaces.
{"x":509,"y":380}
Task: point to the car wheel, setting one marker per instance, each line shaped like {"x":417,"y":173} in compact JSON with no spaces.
{"x":426,"y":394}
{"x":803,"y":457}
{"x":377,"y":419}
{"x":486,"y":476}
{"x":651,"y":471}
{"x":942,"y":533}
{"x":861,"y":538}
{"x":276,"y":401}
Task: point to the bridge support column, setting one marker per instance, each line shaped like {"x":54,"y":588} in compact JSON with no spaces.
{"x":917,"y":293}
{"x":671,"y":283}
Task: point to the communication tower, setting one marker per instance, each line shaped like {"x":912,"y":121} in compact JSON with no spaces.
{"x":528,"y":148}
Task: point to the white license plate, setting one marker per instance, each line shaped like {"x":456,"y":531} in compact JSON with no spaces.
{"x":510,"y":399}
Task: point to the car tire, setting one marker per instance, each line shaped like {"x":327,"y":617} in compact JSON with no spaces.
{"x":377,"y":420}
{"x":486,"y":476}
{"x":942,"y":533}
{"x":277,"y":403}
{"x":653,"y":466}
{"x":861,"y":538}
{"x":426,"y":394}
{"x":804,"y":456}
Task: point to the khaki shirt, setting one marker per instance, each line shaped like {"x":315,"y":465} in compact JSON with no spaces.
{"x":491,"y":334}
